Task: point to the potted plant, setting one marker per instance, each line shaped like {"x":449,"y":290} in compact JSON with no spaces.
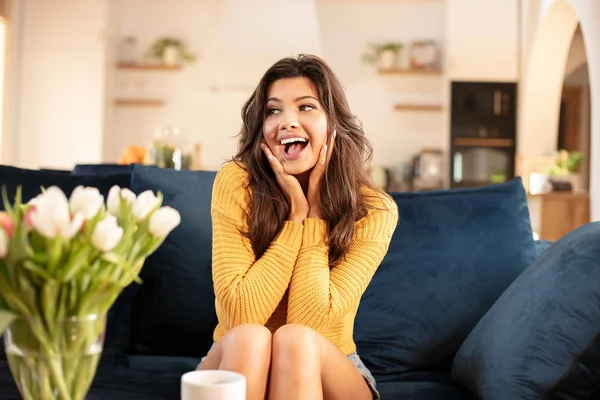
{"x":385,"y":54}
{"x":566,"y":169}
{"x":171,"y":51}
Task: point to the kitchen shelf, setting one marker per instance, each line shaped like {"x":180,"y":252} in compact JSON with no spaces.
{"x":149,"y":67}
{"x":418,"y":107}
{"x":483,"y":142}
{"x":139,"y":102}
{"x":410,"y":71}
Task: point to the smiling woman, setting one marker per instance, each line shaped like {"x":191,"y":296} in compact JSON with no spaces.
{"x":299,"y":229}
{"x":295,"y":128}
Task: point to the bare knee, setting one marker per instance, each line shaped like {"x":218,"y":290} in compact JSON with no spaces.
{"x":295,"y":341}
{"x":248,"y":338}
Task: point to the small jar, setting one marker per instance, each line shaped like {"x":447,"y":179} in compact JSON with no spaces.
{"x":170,"y":149}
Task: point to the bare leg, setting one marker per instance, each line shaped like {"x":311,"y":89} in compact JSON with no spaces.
{"x":245,"y":349}
{"x":305,"y":365}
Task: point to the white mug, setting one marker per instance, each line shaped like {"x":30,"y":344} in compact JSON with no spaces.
{"x":213,"y":385}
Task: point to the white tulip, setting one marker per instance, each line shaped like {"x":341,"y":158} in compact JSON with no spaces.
{"x":51,"y":217}
{"x":107,"y":234}
{"x":86,"y":200}
{"x":112,"y":202}
{"x":163,"y":221}
{"x":114,"y":199}
{"x":128,"y":196}
{"x":144,"y":203}
{"x":3,"y":243}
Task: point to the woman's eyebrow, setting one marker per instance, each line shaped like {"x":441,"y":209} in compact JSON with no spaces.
{"x":297,"y":99}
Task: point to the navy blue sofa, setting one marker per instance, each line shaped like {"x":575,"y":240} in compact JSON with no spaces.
{"x":452,"y":257}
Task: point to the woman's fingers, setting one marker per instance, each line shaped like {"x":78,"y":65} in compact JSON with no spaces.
{"x":331,"y":145}
{"x":323,"y":157}
{"x":275,"y":164}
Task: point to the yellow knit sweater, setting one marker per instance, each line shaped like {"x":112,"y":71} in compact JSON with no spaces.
{"x":292,"y":282}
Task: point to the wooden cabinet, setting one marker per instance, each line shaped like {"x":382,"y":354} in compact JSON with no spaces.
{"x":560,"y":213}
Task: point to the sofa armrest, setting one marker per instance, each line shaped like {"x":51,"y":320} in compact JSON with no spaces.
{"x":541,"y":245}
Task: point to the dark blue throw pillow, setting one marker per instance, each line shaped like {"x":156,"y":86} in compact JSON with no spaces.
{"x":174,"y":310}
{"x":541,"y":339}
{"x":453,"y":254}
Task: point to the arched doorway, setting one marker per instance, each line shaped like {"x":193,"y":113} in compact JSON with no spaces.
{"x":541,"y":84}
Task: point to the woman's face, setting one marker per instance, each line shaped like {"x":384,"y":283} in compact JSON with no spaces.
{"x":295,"y":128}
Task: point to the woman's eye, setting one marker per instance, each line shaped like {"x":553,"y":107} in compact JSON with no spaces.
{"x":307,"y":107}
{"x":272,"y":111}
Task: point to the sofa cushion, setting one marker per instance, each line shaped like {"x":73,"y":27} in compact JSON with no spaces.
{"x":419,"y":391}
{"x":452,"y":255}
{"x":101,"y":169}
{"x":163,"y":363}
{"x":174,"y":311}
{"x":420,"y":385}
{"x":541,"y":339}
{"x":31,"y":182}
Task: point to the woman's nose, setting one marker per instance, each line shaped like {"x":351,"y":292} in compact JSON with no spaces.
{"x":289,"y":122}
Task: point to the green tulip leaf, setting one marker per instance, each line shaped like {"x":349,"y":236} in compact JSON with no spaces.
{"x":6,"y":318}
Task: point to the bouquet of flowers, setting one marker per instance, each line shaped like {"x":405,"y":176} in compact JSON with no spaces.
{"x":63,"y":263}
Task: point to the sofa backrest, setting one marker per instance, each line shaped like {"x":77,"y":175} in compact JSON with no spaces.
{"x":174,"y":308}
{"x":453,"y":253}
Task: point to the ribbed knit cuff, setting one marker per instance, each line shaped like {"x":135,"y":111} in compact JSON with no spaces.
{"x":291,"y":234}
{"x":315,"y":231}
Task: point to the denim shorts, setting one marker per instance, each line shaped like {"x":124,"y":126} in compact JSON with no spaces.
{"x":364,"y":371}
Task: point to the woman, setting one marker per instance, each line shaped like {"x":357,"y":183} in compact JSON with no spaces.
{"x":298,"y":232}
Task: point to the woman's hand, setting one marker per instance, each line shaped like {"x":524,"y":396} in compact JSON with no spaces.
{"x":290,"y":186}
{"x":316,"y":180}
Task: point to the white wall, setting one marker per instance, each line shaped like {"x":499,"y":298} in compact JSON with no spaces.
{"x":483,"y":40}
{"x":236,"y":42}
{"x":59,"y":119}
{"x":347,"y":27}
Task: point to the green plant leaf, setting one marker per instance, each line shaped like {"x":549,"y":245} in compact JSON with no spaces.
{"x":6,"y":318}
{"x":35,"y":269}
{"x":76,"y":262}
{"x":7,"y":204}
{"x":11,"y":298}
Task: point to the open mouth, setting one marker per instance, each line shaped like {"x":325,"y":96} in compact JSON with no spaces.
{"x":293,"y":146}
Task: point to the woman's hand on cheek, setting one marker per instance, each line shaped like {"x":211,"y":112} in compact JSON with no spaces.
{"x":290,"y":186}
{"x":316,"y":180}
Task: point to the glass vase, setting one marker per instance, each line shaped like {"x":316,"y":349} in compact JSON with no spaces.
{"x":54,"y":359}
{"x":170,"y":149}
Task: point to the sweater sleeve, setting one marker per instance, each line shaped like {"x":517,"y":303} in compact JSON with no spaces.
{"x":319,"y":296}
{"x":247,"y":290}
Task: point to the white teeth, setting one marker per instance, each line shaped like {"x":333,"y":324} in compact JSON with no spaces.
{"x":293,"y":140}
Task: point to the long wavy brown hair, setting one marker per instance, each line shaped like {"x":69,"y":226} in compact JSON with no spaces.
{"x":342,"y":201}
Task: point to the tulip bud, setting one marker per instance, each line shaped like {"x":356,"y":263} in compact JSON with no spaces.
{"x":107,"y":234}
{"x":163,"y":221}
{"x":128,"y":196}
{"x":51,"y":216}
{"x":7,"y":223}
{"x":3,"y":243}
{"x":86,"y":200}
{"x":27,"y":218}
{"x":115,"y":195}
{"x":112,"y":202}
{"x":144,"y":203}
